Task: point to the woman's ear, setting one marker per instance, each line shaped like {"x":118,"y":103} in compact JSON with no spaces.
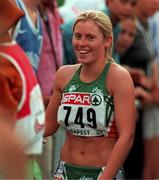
{"x":108,"y":41}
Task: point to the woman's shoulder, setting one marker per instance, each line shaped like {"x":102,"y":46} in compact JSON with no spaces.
{"x":68,"y":69}
{"x":66,"y":72}
{"x":117,"y":70}
{"x":119,"y":74}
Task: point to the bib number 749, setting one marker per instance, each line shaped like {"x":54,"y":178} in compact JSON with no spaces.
{"x":79,"y":117}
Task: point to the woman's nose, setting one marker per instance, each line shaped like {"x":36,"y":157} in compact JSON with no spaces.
{"x":82,"y":42}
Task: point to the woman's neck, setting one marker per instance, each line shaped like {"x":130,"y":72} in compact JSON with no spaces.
{"x":90,"y":72}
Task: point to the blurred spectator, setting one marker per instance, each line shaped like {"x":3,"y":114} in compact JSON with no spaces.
{"x":20,"y":95}
{"x":123,"y":42}
{"x":142,"y":55}
{"x":28,"y":31}
{"x":71,"y":9}
{"x":50,"y":61}
{"x":51,"y":52}
{"x":126,"y":37}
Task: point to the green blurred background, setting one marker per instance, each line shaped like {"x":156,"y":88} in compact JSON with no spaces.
{"x":60,"y":2}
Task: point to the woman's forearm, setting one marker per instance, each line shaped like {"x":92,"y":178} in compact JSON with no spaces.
{"x":118,"y":156}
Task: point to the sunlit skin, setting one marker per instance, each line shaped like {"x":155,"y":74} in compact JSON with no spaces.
{"x":127,"y":35}
{"x":89,"y":45}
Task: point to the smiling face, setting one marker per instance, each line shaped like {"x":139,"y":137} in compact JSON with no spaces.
{"x":89,"y":42}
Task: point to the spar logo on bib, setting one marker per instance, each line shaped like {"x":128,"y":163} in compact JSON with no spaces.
{"x":86,"y":99}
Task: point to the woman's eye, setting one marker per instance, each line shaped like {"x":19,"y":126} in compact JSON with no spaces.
{"x":77,"y":36}
{"x":90,"y":38}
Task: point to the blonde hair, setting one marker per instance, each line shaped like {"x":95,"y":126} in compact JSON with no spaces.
{"x":103,"y":22}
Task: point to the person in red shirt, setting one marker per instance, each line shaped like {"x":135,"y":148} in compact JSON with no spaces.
{"x":21,"y":102}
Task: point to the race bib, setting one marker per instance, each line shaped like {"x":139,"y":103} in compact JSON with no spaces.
{"x":83,"y":114}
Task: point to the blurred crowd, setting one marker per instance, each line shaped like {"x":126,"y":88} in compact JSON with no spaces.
{"x":45,"y":35}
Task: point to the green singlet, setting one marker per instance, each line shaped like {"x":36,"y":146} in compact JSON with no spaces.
{"x":87,"y":109}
